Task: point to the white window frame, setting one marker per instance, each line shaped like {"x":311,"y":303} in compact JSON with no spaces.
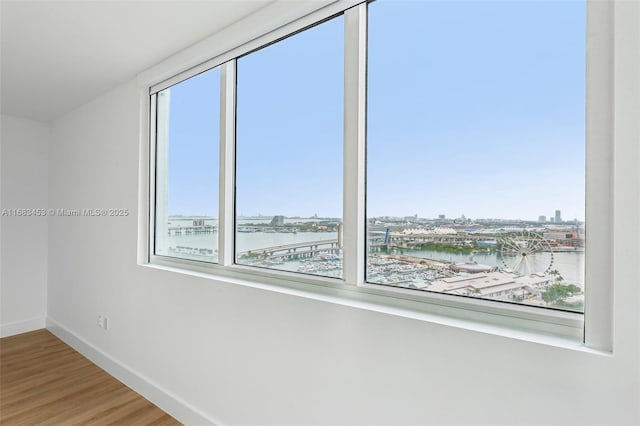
{"x":591,"y":331}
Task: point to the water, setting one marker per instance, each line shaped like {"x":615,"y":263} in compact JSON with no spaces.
{"x":569,"y":265}
{"x":251,"y":240}
{"x":245,"y":241}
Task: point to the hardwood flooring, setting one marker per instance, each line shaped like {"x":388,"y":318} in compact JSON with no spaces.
{"x":43,"y":381}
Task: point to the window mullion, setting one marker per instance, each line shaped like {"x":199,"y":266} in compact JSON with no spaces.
{"x":354,"y":237}
{"x":152,"y":164}
{"x":160,"y":192}
{"x":598,"y":308}
{"x":226,"y":255}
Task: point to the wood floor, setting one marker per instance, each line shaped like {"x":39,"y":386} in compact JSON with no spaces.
{"x":43,"y":381}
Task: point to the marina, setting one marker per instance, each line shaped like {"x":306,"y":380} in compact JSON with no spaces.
{"x":514,"y":265}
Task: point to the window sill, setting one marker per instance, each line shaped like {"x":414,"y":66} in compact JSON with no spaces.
{"x":542,"y":326}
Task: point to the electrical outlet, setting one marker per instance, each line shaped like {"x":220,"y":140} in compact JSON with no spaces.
{"x":103,"y":322}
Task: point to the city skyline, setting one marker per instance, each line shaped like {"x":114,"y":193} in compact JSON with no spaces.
{"x":407,"y":217}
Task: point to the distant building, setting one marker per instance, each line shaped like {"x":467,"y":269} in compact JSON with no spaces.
{"x":198,"y":222}
{"x":411,"y":219}
{"x":558,"y":217}
{"x":542,"y":219}
{"x":441,"y":216}
{"x":277,"y":221}
{"x":559,"y":236}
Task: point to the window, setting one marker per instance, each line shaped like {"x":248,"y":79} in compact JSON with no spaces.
{"x":289,"y":153}
{"x":476,"y":149}
{"x":401,"y":153}
{"x":187,"y":157}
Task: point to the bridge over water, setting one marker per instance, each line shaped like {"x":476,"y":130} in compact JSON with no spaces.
{"x":295,"y":251}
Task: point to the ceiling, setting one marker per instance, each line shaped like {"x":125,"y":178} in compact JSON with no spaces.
{"x":58,"y":55}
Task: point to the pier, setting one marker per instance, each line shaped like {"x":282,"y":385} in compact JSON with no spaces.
{"x":191,"y":230}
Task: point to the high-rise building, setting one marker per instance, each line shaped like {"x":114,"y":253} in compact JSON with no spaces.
{"x":558,"y":217}
{"x":277,"y":221}
{"x":542,"y":218}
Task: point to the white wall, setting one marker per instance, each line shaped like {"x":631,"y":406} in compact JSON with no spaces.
{"x":23,"y":240}
{"x":242,"y":355}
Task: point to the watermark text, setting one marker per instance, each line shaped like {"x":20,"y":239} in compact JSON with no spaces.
{"x":62,"y":212}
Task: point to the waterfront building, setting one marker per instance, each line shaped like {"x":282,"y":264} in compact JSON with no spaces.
{"x":277,"y":221}
{"x":501,"y":285}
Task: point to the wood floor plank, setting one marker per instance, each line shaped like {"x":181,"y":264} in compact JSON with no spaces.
{"x":65,"y":394}
{"x":37,"y":367}
{"x":103,"y":408}
{"x":43,"y":381}
{"x":57,"y":394}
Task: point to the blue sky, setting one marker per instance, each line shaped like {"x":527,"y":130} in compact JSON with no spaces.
{"x":289,"y":125}
{"x":474,"y":108}
{"x":194,"y":145}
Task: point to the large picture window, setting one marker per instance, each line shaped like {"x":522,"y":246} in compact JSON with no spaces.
{"x":443,"y":154}
{"x":476,"y":149}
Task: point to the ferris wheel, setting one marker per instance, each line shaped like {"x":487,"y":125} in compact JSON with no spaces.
{"x":526,"y":253}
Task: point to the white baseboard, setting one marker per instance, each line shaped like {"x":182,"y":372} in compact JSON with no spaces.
{"x":173,"y":405}
{"x":20,"y":327}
